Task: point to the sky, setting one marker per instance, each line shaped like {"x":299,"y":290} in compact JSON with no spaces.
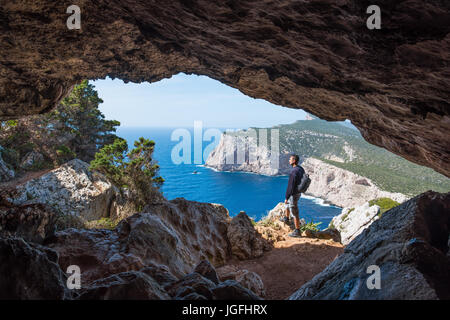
{"x":183,"y":99}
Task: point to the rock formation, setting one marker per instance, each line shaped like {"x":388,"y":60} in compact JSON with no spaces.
{"x":32,"y":222}
{"x":352,"y":221}
{"x":319,"y":56}
{"x":410,"y":246}
{"x":156,"y":283}
{"x":341,"y":187}
{"x":167,"y":252}
{"x":248,"y":279}
{"x":5,"y":172}
{"x":274,"y":230}
{"x":70,"y":189}
{"x":245,"y":241}
{"x":242,"y":153}
{"x":29,"y":272}
{"x":177,"y":234}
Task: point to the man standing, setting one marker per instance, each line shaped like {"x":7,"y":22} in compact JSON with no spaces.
{"x":292,"y":194}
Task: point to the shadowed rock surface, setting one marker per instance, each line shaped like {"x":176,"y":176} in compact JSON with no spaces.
{"x":29,"y":272}
{"x":167,"y":235}
{"x":32,"y":222}
{"x":248,"y":279}
{"x":315,"y":55}
{"x":246,"y":242}
{"x":410,"y":246}
{"x":130,"y":285}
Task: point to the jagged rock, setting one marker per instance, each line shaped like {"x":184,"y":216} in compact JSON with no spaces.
{"x":350,"y":223}
{"x":245,"y":241}
{"x":130,"y":285}
{"x":177,"y":234}
{"x":207,"y":270}
{"x":194,"y":296}
{"x":6,"y":173}
{"x":31,"y":159}
{"x":197,"y":286}
{"x":160,"y":273}
{"x":30,"y":271}
{"x":248,"y":279}
{"x":232,"y":290}
{"x":32,"y":222}
{"x":323,"y":234}
{"x":409,"y":244}
{"x":192,"y":283}
{"x":71,"y":190}
{"x":122,"y":205}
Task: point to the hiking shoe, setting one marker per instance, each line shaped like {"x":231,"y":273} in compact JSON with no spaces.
{"x":295,"y":234}
{"x":285,"y":220}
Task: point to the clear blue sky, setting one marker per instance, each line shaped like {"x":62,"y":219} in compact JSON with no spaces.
{"x":182,"y":99}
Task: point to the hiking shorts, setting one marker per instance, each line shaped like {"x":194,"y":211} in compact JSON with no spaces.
{"x":292,"y":204}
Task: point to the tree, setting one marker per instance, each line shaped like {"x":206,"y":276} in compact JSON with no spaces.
{"x":75,"y":129}
{"x":78,"y":115}
{"x":134,"y":170}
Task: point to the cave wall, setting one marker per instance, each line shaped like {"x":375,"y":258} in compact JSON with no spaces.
{"x":392,"y":83}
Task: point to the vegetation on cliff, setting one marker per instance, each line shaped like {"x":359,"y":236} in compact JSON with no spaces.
{"x":134,"y":170}
{"x":385,"y":204}
{"x":75,"y":129}
{"x":78,"y":129}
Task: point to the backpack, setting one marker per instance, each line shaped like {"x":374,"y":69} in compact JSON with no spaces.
{"x":304,"y":183}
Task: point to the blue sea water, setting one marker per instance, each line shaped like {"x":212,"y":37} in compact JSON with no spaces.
{"x":253,"y":193}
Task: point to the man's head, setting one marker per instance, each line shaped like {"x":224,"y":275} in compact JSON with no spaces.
{"x":293,"y":160}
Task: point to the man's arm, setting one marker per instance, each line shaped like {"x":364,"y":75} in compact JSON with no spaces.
{"x":290,"y":186}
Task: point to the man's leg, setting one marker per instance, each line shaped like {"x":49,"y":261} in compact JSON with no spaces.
{"x":295,"y":213}
{"x":297,"y":222}
{"x":285,"y":219}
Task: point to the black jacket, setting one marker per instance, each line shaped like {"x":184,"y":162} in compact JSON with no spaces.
{"x":294,"y":180}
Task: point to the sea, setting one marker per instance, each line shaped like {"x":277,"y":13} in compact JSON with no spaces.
{"x":255,"y":194}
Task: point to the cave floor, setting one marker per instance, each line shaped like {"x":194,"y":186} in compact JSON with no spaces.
{"x":290,"y":264}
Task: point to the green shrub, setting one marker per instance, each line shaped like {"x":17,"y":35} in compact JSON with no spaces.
{"x":385,"y":204}
{"x":345,"y":216}
{"x":310,"y":226}
{"x":103,"y":223}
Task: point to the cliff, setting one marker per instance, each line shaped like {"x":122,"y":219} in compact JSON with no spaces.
{"x":341,"y":187}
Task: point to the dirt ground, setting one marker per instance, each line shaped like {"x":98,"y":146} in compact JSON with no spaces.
{"x":291,"y":263}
